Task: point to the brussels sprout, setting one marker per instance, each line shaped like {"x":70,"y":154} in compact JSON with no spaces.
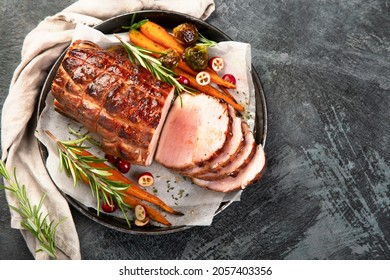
{"x":186,"y":33}
{"x":170,"y":59}
{"x":197,"y":57}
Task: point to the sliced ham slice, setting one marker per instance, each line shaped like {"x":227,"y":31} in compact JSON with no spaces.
{"x":251,"y":173}
{"x":194,"y":133}
{"x":232,"y":148}
{"x":227,"y":154}
{"x":240,"y":160}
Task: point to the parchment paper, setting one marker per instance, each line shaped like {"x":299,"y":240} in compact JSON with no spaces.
{"x":199,"y":205}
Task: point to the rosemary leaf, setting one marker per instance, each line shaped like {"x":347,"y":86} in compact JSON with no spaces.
{"x":87,"y":137}
{"x":100,"y":172}
{"x":40,"y":227}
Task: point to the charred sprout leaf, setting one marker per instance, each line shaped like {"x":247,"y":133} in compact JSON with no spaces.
{"x":203,"y":41}
{"x":34,"y":221}
{"x":135,"y":26}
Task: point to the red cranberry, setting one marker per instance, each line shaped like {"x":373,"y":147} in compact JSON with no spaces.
{"x":123,"y":166}
{"x":230,"y":78}
{"x":111,"y":159}
{"x":106,"y":207}
{"x":183,"y":80}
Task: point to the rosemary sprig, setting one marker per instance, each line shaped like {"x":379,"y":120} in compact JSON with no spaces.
{"x":38,"y":225}
{"x":79,"y":165}
{"x":82,"y":135}
{"x":143,"y":57}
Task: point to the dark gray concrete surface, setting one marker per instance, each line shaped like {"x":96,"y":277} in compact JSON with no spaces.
{"x":325,"y":69}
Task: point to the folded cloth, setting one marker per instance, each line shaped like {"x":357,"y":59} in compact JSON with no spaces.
{"x":41,"y":47}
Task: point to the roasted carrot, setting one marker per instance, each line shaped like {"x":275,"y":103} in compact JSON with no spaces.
{"x":207,"y":89}
{"x":161,"y":36}
{"x":151,"y":212}
{"x":139,"y":39}
{"x":133,"y":189}
{"x":226,"y":91}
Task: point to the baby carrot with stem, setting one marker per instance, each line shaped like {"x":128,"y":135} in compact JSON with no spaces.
{"x":161,"y":36}
{"x":139,"y":39}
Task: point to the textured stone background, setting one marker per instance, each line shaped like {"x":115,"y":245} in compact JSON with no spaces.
{"x":325,"y":70}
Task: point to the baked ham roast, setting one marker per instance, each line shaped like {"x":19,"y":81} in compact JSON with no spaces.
{"x":120,"y":101}
{"x":134,"y":115}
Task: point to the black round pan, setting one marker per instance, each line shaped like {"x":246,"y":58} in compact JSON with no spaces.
{"x":168,"y":20}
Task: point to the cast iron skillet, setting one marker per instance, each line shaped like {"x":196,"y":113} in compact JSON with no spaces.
{"x":169,"y":20}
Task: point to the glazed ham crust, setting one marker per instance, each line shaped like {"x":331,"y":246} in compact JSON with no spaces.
{"x":122,"y":102}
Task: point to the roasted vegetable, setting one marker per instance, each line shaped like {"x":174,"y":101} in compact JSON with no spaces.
{"x":161,"y":36}
{"x":139,"y":39}
{"x":170,"y":59}
{"x":197,"y":57}
{"x":186,"y":33}
{"x":203,"y":78}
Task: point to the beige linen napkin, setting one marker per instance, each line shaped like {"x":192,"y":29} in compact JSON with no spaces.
{"x":40,"y":49}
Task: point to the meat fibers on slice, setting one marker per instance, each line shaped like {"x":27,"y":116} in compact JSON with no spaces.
{"x":194,"y":133}
{"x":120,"y":101}
{"x":228,"y":152}
{"x":241,"y":159}
{"x":232,"y":147}
{"x":251,"y":173}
